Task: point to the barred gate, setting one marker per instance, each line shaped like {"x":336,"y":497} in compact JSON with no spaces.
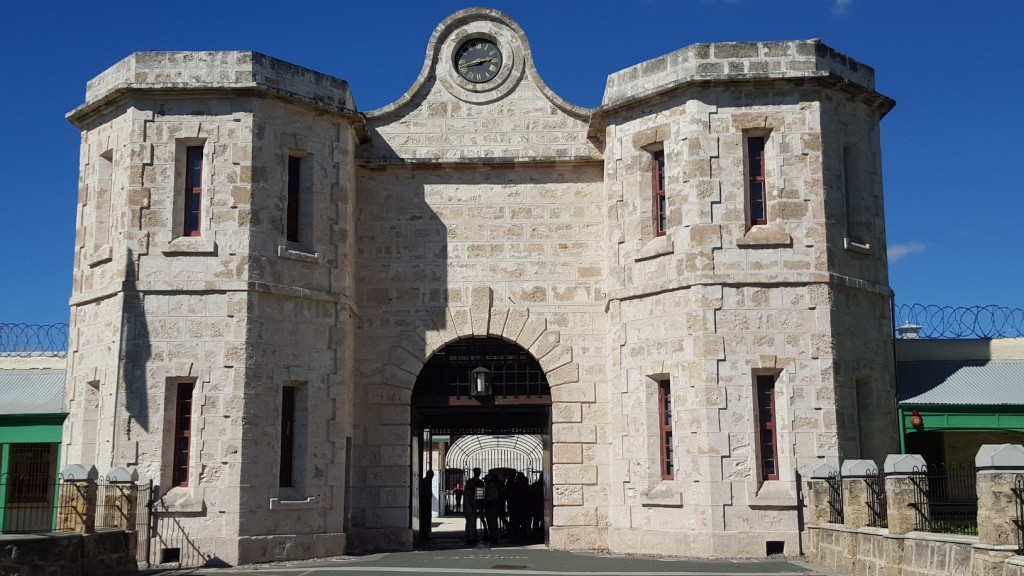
{"x":128,"y":506}
{"x":946,"y":498}
{"x":835,"y":497}
{"x":32,"y":503}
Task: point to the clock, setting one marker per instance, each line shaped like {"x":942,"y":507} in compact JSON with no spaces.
{"x":478,"y":60}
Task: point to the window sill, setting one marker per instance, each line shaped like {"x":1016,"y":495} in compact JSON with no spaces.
{"x":773,"y":494}
{"x":664,"y":495}
{"x":658,"y":246}
{"x":765,"y":236}
{"x":858,"y":247}
{"x":190,"y":245}
{"x":179,"y":500}
{"x":279,"y":504}
{"x":102,"y":255}
{"x":299,"y":254}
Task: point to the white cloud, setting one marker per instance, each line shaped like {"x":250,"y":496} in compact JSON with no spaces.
{"x":899,"y":251}
{"x":840,"y":7}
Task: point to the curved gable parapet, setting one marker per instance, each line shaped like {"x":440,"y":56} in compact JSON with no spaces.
{"x":234,"y":71}
{"x":741,"y":61}
{"x":450,"y":27}
{"x":478,"y":96}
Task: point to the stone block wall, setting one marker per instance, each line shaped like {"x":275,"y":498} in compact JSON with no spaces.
{"x":105,"y":553}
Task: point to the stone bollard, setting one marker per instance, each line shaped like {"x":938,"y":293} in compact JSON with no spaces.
{"x":999,"y":466}
{"x":856,"y":513}
{"x":77,"y":499}
{"x":817,"y":494}
{"x":903,"y":472}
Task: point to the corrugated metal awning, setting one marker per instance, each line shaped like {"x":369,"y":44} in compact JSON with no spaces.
{"x":31,"y":391}
{"x":983,"y":382}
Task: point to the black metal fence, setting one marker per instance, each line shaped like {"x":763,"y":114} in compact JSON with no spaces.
{"x":41,"y":503}
{"x":127,"y":505}
{"x":31,"y":503}
{"x":25,"y":340}
{"x":946,"y":498}
{"x":879,"y":515}
{"x":835,"y":498}
{"x":1018,"y":497}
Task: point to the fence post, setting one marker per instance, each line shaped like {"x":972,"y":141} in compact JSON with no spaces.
{"x":901,"y":472}
{"x":120,"y":499}
{"x":77,"y":499}
{"x":998,"y":466}
{"x":856,"y":513}
{"x":817,"y":494}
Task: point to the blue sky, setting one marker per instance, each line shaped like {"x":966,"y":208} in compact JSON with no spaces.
{"x":951,"y":147}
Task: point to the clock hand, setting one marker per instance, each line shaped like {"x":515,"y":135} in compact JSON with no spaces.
{"x":476,"y":62}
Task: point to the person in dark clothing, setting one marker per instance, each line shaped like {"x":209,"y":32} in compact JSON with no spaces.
{"x":474,"y":495}
{"x":426,"y":501}
{"x":492,"y":492}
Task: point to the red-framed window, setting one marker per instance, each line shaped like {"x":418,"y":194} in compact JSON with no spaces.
{"x":287,"y":436}
{"x":766,"y":426}
{"x":193,"y":191}
{"x":182,"y":434}
{"x":665,"y":428}
{"x":658,"y":185}
{"x":294,"y":175}
{"x":757,"y":198}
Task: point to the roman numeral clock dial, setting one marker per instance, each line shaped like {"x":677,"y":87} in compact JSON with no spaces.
{"x":478,"y":60}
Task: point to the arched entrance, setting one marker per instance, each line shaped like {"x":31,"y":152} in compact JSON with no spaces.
{"x":482,"y":403}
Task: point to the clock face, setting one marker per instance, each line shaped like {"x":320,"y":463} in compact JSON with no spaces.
{"x":478,"y":60}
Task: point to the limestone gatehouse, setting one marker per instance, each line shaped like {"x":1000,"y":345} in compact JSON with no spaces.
{"x":680,"y":295}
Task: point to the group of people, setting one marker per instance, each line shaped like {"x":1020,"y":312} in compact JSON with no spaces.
{"x":508,"y":508}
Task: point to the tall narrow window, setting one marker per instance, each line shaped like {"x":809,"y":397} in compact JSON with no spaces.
{"x":658,"y":173}
{"x":182,"y":434}
{"x":757,"y":198}
{"x":287,"y":436}
{"x":766,"y":425}
{"x":294,"y":193}
{"x":665,"y":428}
{"x":193,"y":190}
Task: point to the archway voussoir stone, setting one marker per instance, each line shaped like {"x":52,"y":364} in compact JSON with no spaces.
{"x":545,"y":344}
{"x":461,"y":322}
{"x":514,"y":324}
{"x":480,"y":298}
{"x":532,"y":330}
{"x":497,"y":324}
{"x":563,"y":375}
{"x":558,"y":357}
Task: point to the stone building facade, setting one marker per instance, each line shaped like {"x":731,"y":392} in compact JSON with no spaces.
{"x":256,"y":259}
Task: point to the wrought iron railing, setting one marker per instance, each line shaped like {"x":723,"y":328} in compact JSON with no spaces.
{"x":127,"y":505}
{"x":33,"y":503}
{"x":879,"y":515}
{"x":1018,"y":496}
{"x":946,"y":498}
{"x":948,"y":322}
{"x":835,"y":498}
{"x":25,"y":340}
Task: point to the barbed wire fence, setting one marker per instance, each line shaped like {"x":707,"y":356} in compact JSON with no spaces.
{"x":949,"y":322}
{"x":28,"y":340}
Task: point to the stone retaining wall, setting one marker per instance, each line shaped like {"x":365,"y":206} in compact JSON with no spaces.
{"x":105,"y":553}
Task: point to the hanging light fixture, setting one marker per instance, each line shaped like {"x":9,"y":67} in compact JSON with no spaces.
{"x":480,"y":382}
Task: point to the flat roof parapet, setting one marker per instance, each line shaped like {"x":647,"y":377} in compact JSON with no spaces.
{"x":733,"y":61}
{"x":214,"y":70}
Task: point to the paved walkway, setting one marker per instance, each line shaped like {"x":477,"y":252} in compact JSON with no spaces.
{"x":446,"y":554}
